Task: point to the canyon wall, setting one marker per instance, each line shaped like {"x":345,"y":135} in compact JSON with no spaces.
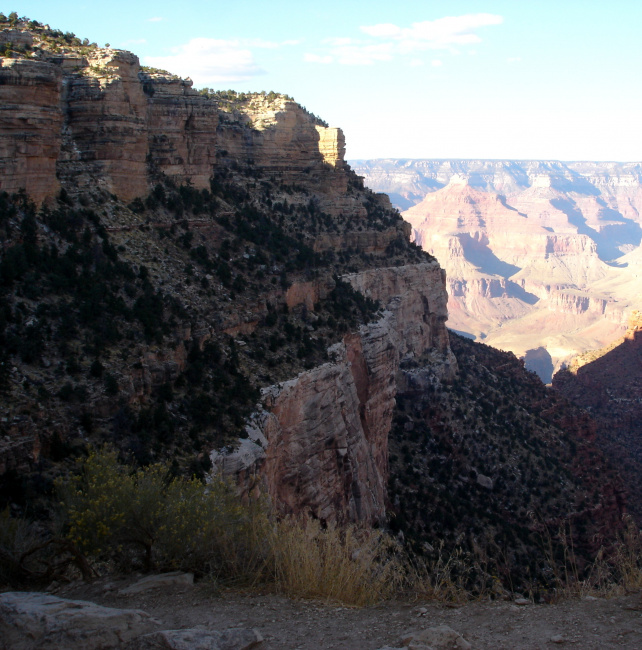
{"x":285,"y":215}
{"x":540,"y":255}
{"x":319,"y":442}
{"x":97,"y":120}
{"x":608,"y":384}
{"x":31,"y":123}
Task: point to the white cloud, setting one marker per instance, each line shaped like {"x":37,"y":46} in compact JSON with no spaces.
{"x":514,"y":59}
{"x":338,"y":42}
{"x":347,"y":51}
{"x":443,"y":33}
{"x":266,"y":45}
{"x":436,"y":63}
{"x":156,"y":19}
{"x":414,"y":63}
{"x":210,"y":61}
{"x":384,"y":30}
{"x":359,"y":54}
{"x":389,"y":40}
{"x":317,"y":58}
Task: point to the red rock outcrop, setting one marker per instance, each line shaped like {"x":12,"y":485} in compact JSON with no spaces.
{"x":105,"y":134}
{"x":94,"y":119}
{"x":30,"y":126}
{"x":97,"y":119}
{"x":182,"y":129}
{"x":320,"y":441}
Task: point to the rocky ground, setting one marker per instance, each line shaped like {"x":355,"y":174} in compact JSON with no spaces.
{"x":590,"y":623}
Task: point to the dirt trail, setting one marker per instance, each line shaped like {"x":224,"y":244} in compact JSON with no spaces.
{"x":589,"y":624}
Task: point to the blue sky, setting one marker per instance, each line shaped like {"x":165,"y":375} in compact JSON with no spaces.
{"x":520,"y":79}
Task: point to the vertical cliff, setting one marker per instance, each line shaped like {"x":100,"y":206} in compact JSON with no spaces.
{"x":31,"y":122}
{"x":320,"y":441}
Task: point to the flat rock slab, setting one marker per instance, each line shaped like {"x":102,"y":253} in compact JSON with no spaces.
{"x":198,"y":639}
{"x":34,"y":620}
{"x":173,"y":578}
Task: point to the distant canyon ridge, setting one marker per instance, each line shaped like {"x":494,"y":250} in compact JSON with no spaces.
{"x":543,"y":258}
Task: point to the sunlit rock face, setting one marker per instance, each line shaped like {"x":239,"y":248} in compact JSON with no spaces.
{"x":538,"y":254}
{"x":101,"y":120}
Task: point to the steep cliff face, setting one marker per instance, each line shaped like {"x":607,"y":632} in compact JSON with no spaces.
{"x":182,"y":129}
{"x":320,"y":441}
{"x":31,"y":125}
{"x":99,"y":119}
{"x":93,"y":116}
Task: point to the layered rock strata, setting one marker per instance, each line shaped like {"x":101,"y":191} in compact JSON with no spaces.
{"x":31,"y":123}
{"x":107,"y":132}
{"x":98,"y":119}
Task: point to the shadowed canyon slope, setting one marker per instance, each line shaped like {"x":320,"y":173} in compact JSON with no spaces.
{"x":608,"y":384}
{"x":542,"y":258}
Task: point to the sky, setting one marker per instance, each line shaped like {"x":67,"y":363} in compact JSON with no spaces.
{"x":511,"y":79}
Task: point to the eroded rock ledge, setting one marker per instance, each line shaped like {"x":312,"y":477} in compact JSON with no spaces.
{"x":100,"y":120}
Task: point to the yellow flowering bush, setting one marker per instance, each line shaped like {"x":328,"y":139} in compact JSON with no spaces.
{"x":148,"y":517}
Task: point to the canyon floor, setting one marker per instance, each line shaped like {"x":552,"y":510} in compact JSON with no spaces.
{"x":589,"y":623}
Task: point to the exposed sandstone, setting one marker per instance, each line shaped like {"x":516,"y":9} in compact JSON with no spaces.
{"x":320,"y":441}
{"x":98,"y":120}
{"x":31,"y":122}
{"x":182,"y":129}
{"x":417,"y":299}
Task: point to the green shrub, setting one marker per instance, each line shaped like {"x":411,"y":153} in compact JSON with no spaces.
{"x":148,"y":517}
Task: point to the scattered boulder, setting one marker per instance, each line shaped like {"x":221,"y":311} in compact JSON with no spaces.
{"x":173,"y":578}
{"x":198,"y":639}
{"x":440,"y":637}
{"x":485,"y":481}
{"x":31,"y":620}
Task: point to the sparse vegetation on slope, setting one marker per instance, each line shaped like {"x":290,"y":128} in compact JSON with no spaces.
{"x":496,"y":465}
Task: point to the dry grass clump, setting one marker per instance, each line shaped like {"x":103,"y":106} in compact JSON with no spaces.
{"x":613,"y":573}
{"x":113,"y":516}
{"x":129,"y":519}
{"x":17,"y":537}
{"x":444,"y":577}
{"x":351,"y":564}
